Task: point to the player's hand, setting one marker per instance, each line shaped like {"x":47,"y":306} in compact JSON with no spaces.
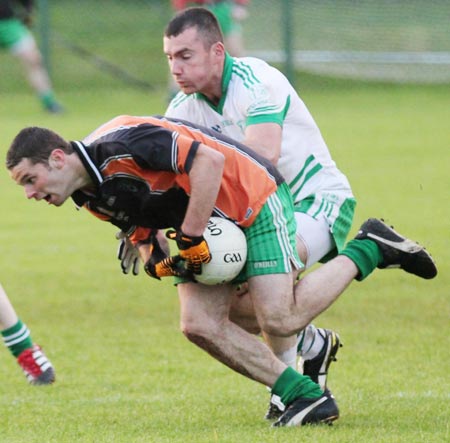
{"x":192,"y":249}
{"x":27,"y":20}
{"x":128,"y":254}
{"x":168,"y":267}
{"x":159,"y":264}
{"x":25,"y":15}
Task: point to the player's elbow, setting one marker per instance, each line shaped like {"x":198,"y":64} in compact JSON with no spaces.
{"x":216,"y":162}
{"x":209,"y":158}
{"x":273,"y":158}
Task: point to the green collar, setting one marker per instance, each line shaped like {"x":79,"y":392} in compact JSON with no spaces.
{"x":226,"y":77}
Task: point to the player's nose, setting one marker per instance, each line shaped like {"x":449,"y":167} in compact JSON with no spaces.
{"x":30,"y":192}
{"x":175,"y":67}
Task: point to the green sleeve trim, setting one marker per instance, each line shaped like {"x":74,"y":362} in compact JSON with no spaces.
{"x":265,"y":118}
{"x":277,"y":117}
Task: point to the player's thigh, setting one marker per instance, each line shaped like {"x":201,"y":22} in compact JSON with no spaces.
{"x":202,"y":305}
{"x":323,"y":224}
{"x":314,"y":238}
{"x":271,"y":239}
{"x":273,"y":300}
{"x":28,"y":51}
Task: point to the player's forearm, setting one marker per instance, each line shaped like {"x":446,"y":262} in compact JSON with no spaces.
{"x":205,"y":179}
{"x":266,"y":151}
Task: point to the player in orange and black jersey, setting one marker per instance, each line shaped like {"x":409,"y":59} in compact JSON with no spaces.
{"x":147,"y":173}
{"x":140,"y":165}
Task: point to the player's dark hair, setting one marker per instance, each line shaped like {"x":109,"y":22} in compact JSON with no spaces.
{"x":202,"y":19}
{"x":35,"y":144}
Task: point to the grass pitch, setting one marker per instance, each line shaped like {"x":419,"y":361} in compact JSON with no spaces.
{"x":124,"y":371}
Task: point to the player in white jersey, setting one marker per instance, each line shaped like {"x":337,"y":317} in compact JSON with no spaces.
{"x":255,"y":98}
{"x":255,"y":93}
{"x":252,"y":102}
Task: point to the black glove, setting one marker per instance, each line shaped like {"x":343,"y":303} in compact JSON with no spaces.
{"x":192,"y":249}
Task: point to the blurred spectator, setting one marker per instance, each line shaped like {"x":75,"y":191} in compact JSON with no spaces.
{"x":15,"y":36}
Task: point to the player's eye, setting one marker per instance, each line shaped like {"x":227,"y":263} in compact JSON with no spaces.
{"x":185,"y":55}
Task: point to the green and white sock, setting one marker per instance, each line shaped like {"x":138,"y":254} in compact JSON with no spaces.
{"x":365,"y":254}
{"x":310,"y":342}
{"x":291,"y":385}
{"x":17,"y":338}
{"x":289,"y":357}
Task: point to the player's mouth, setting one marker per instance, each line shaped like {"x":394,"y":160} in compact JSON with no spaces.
{"x":48,"y":199}
{"x":183,"y":84}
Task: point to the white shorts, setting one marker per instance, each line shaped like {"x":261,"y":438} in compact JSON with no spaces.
{"x":316,"y":236}
{"x":323,"y":223}
{"x":25,"y":44}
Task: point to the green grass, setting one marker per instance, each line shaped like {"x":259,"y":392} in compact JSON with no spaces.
{"x":124,"y":371}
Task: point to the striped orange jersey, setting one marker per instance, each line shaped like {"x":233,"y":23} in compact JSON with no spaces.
{"x":140,"y":166}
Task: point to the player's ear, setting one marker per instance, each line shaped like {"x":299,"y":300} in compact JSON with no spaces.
{"x":57,"y":158}
{"x":218,"y":49}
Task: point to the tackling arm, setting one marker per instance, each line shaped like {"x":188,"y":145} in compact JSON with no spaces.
{"x":265,"y":139}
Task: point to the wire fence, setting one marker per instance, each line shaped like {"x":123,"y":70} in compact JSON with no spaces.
{"x":112,"y":43}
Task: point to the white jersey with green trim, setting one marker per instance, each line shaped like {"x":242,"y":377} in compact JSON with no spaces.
{"x":254,"y":92}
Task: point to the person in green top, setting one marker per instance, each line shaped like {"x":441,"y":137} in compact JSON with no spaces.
{"x":15,"y":36}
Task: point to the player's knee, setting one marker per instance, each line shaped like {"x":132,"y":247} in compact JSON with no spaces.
{"x":190,"y":328}
{"x":277,"y":325}
{"x":205,"y":335}
{"x":246,"y":322}
{"x":197,"y":330}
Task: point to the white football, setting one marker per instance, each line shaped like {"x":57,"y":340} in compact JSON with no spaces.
{"x":228,"y":247}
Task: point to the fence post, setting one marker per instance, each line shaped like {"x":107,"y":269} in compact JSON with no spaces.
{"x":287,"y":39}
{"x":44,"y":32}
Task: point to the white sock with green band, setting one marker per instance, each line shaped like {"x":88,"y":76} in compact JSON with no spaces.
{"x":17,"y":338}
{"x":310,"y":343}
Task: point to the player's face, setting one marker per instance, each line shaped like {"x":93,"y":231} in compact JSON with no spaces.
{"x":194,"y":67}
{"x":42,"y":181}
